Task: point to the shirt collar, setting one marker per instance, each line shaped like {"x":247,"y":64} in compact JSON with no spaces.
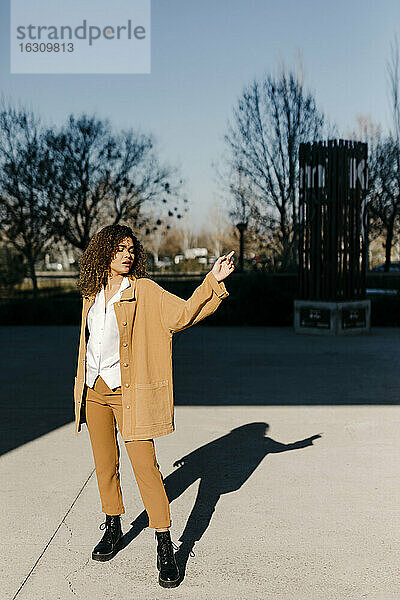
{"x":124,"y":284}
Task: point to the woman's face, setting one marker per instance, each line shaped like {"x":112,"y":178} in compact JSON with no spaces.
{"x":123,"y":257}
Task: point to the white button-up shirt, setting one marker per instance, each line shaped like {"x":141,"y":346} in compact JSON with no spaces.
{"x":102,"y":352}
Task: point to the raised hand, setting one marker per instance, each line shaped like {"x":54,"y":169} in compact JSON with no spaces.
{"x":223,"y":266}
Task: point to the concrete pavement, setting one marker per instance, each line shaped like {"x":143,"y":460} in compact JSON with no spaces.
{"x":267,"y":513}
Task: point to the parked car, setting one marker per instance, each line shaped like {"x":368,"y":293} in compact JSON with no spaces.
{"x":394,"y":268}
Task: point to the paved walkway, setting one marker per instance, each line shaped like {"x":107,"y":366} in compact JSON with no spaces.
{"x":268,"y":509}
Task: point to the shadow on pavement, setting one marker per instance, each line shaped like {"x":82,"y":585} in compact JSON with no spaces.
{"x":213,"y":366}
{"x":223,"y":466}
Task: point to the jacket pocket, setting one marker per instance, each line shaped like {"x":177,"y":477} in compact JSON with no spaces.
{"x":152,"y":403}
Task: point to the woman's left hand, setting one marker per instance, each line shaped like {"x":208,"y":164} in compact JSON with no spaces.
{"x":223,"y":266}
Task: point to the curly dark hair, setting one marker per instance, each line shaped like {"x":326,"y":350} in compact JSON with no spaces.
{"x":94,"y":264}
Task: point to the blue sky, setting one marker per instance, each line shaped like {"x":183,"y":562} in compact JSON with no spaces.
{"x":203,"y":53}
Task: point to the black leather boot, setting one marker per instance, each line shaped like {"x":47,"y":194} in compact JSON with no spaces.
{"x":109,"y":543}
{"x":166,"y":563}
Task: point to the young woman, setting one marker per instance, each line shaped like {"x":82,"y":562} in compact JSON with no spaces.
{"x":124,"y":375}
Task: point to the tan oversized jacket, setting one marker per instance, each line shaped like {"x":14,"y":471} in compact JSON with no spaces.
{"x":147,"y":317}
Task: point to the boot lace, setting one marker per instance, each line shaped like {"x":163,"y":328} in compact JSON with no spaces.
{"x":166,"y":550}
{"x":108,"y":534}
{"x":104,"y":525}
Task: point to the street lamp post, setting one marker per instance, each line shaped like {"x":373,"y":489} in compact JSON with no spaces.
{"x":242,"y":228}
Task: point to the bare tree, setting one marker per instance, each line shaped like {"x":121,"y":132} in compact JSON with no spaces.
{"x":393,"y":73}
{"x":271,"y":119}
{"x":365,"y":130}
{"x":384,"y":193}
{"x":217,"y":229}
{"x":101,"y":178}
{"x":24,"y":169}
{"x":172,"y":242}
{"x":384,"y":167}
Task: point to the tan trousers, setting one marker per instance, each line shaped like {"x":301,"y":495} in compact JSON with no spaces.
{"x":103,"y":413}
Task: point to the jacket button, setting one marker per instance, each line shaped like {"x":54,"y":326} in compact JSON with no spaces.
{"x":123,"y":322}
{"x":126,"y":365}
{"x":124,"y":344}
{"x":127,"y":385}
{"x":128,"y":406}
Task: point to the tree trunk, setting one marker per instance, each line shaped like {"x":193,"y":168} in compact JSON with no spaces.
{"x":32,"y":274}
{"x":388,"y":244}
{"x":155,"y":257}
{"x":295,"y":230}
